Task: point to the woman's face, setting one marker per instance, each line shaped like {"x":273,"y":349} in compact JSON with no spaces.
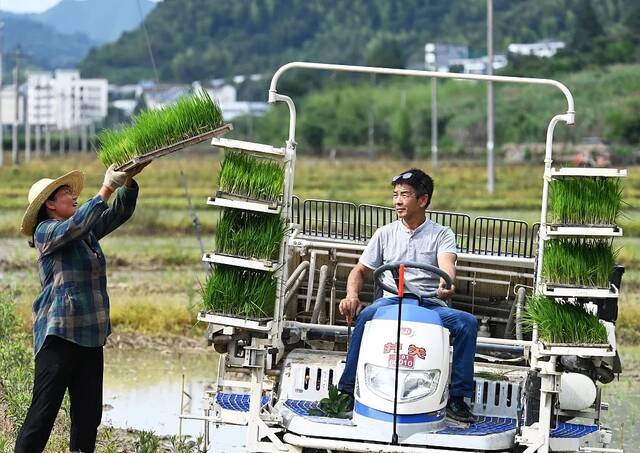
{"x":64,"y":203}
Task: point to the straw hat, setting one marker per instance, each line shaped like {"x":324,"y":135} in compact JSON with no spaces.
{"x":42,"y":190}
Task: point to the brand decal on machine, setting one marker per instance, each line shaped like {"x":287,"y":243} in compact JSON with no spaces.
{"x":417,"y":351}
{"x":390,"y":347}
{"x":406,"y":361}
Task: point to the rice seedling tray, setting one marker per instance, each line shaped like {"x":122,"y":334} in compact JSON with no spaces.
{"x":227,"y":200}
{"x":588,"y":172}
{"x":147,"y":157}
{"x":224,"y":319}
{"x":567,"y":230}
{"x":237,"y":261}
{"x":556,"y":290}
{"x":247,"y":146}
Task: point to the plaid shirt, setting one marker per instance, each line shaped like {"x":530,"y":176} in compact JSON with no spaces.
{"x":73,"y":303}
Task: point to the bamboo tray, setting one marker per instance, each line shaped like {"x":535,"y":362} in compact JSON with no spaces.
{"x":151,"y":155}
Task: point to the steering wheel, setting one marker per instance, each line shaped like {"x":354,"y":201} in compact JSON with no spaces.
{"x":377,"y":276}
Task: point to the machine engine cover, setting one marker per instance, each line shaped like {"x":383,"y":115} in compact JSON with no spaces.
{"x":424,"y":361}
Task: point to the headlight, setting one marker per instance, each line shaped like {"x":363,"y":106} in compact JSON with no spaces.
{"x":412,"y":384}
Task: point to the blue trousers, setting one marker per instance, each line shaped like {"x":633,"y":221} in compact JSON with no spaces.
{"x":462,"y":326}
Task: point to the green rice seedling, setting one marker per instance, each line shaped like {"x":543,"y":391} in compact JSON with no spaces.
{"x":154,"y":129}
{"x":563,"y":322}
{"x":240,"y":292}
{"x":594,"y":201}
{"x":579,"y":261}
{"x":249,"y":234}
{"x":252,"y":177}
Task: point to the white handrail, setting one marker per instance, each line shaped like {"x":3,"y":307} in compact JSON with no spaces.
{"x":273,"y":93}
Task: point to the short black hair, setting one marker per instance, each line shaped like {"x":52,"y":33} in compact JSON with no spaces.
{"x":421,"y":182}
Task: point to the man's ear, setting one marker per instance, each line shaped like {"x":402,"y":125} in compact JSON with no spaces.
{"x":50,"y":204}
{"x":423,"y":201}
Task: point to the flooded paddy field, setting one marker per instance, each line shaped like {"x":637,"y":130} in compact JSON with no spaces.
{"x":143,"y":386}
{"x":142,"y":391}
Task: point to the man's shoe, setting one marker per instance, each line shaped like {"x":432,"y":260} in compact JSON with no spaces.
{"x":348,"y":400}
{"x":458,"y":410}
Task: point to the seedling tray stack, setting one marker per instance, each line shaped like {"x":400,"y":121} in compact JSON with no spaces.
{"x":242,"y":289}
{"x":577,"y":258}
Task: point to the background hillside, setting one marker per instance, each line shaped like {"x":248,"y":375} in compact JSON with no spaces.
{"x":102,"y":21}
{"x":61,"y":36}
{"x":198,"y":39}
{"x":44,"y":47}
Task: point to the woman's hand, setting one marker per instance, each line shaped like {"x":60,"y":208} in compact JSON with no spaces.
{"x":114,"y":179}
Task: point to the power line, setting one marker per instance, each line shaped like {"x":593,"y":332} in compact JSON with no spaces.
{"x":146,"y":36}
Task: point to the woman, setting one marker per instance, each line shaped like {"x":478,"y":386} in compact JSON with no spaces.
{"x":71,"y":314}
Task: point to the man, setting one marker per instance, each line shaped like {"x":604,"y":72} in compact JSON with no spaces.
{"x":414,"y":238}
{"x":71,"y":314}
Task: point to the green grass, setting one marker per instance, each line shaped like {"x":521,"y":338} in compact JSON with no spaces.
{"x":154,"y":129}
{"x":563,"y":322}
{"x":248,"y":234}
{"x":583,"y":262}
{"x":16,"y":380}
{"x":585,"y":200}
{"x":240,"y":292}
{"x":251,"y":177}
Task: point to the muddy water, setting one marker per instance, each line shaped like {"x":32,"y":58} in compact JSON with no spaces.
{"x":623,"y":397}
{"x":142,"y":391}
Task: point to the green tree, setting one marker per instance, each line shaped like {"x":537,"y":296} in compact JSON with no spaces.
{"x":385,"y":50}
{"x":587,"y":28}
{"x":401,"y":134}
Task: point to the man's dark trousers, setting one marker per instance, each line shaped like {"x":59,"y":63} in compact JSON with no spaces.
{"x":62,"y":365}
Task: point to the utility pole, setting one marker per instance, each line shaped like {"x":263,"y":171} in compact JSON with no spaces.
{"x":16,"y":120}
{"x":1,"y":97}
{"x":27,"y":127}
{"x":92,"y":136}
{"x":47,"y":121}
{"x":431,"y":64}
{"x":83,"y":137}
{"x":371,"y":129}
{"x":62,"y":124}
{"x":38,"y":137}
{"x":491,"y":169}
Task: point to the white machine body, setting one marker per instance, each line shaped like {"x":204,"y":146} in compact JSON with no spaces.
{"x":423,"y":372}
{"x":577,"y":392}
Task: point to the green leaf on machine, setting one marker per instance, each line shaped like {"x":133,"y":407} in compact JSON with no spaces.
{"x":337,"y":405}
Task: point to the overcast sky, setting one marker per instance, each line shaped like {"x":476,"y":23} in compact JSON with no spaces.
{"x":30,"y":6}
{"x":26,"y":6}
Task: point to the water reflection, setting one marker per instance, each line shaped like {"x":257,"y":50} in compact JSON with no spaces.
{"x":142,"y":391}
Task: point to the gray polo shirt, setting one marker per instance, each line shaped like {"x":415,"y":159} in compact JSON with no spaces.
{"x":395,"y":242}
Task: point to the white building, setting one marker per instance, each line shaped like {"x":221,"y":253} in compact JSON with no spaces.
{"x":8,"y":105}
{"x":159,"y":96}
{"x":438,"y":55}
{"x":65,"y":100}
{"x":226,"y":96}
{"x":478,"y":65}
{"x":543,"y":49}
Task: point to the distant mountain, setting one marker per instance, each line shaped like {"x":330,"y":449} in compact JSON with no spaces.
{"x":101,"y":20}
{"x":42,"y":46}
{"x":198,"y":39}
